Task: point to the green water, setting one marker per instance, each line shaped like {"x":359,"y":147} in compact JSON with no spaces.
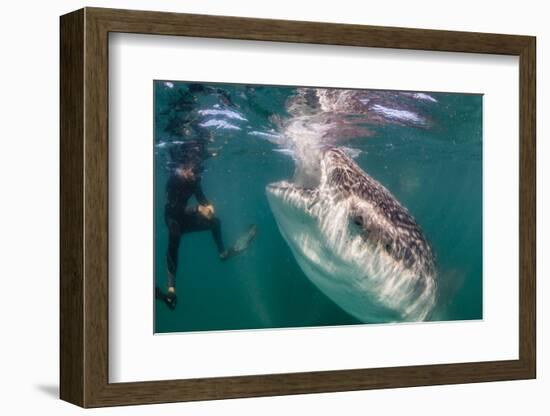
{"x":436,"y":172}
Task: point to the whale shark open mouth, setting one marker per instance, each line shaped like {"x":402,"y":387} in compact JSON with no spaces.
{"x":373,"y":262}
{"x":297,"y":196}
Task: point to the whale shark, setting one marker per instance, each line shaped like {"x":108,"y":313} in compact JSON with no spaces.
{"x":355,"y":241}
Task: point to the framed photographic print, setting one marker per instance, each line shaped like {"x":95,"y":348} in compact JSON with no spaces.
{"x":259,"y":207}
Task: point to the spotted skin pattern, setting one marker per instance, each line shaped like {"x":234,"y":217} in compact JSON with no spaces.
{"x":387,"y":223}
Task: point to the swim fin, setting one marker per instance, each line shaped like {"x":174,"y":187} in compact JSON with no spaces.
{"x":242,"y":243}
{"x":169,"y":299}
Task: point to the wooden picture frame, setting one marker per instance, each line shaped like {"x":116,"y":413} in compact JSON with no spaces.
{"x":84,"y":207}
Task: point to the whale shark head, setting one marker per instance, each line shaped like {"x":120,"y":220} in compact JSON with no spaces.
{"x":355,"y":241}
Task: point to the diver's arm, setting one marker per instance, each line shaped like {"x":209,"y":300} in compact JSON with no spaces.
{"x":204,"y":208}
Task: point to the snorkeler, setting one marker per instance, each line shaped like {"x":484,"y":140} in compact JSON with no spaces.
{"x":183,"y":183}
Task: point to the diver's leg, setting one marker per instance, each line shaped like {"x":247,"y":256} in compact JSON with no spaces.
{"x":242,"y":243}
{"x":216,"y":229}
{"x":174,"y":238}
{"x":172,"y":259}
{"x":194,"y":221}
{"x":238,"y":247}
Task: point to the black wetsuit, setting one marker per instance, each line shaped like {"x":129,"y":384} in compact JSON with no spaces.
{"x":181,"y":219}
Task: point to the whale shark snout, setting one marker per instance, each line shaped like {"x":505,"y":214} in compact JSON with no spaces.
{"x":356,"y":242}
